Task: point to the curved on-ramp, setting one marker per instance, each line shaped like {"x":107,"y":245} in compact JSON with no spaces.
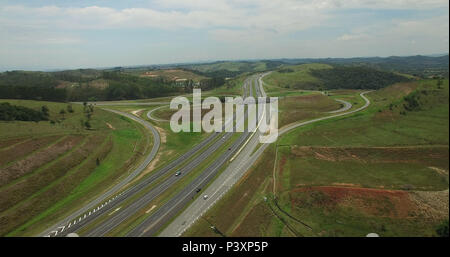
{"x":150,"y":116}
{"x":344,"y":108}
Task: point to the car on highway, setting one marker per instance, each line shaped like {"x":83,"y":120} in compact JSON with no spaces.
{"x":205,"y":197}
{"x":178,"y":173}
{"x":198,"y":190}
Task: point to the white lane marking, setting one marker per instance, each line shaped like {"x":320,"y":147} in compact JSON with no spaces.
{"x":149,"y":210}
{"x":62,"y":228}
{"x":114,"y":211}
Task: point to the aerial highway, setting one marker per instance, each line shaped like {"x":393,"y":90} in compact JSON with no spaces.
{"x":106,"y":213}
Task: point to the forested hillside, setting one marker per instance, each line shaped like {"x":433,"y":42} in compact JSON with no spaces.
{"x":92,"y":85}
{"x":356,"y":77}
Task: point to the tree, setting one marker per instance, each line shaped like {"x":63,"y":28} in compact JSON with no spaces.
{"x":87,"y":124}
{"x":62,"y":112}
{"x":70,"y":108}
{"x":45,"y":110}
{"x":439,"y":83}
{"x":442,"y":229}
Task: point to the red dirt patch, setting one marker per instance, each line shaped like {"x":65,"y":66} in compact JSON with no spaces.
{"x":379,"y":202}
{"x":425,"y":155}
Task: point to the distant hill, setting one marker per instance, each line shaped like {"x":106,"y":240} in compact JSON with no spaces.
{"x":418,"y":65}
{"x":317,"y":76}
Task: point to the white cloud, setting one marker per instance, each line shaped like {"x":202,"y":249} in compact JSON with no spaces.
{"x":347,"y":37}
{"x":234,"y":28}
{"x":281,"y":16}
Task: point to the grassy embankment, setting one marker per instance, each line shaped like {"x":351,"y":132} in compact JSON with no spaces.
{"x":62,"y":165}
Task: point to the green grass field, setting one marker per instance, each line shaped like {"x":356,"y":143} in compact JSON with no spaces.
{"x":304,"y":107}
{"x":64,"y":164}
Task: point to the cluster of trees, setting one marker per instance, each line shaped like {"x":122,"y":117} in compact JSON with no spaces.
{"x":356,"y":77}
{"x":126,"y":86}
{"x":27,"y":79}
{"x":286,"y":70}
{"x":211,"y":83}
{"x":412,"y":102}
{"x":33,"y":93}
{"x":442,"y":229}
{"x":30,"y":85}
{"x":80,"y":75}
{"x":88,"y":110}
{"x":10,"y":112}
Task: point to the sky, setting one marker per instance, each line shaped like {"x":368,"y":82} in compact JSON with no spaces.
{"x":65,"y":34}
